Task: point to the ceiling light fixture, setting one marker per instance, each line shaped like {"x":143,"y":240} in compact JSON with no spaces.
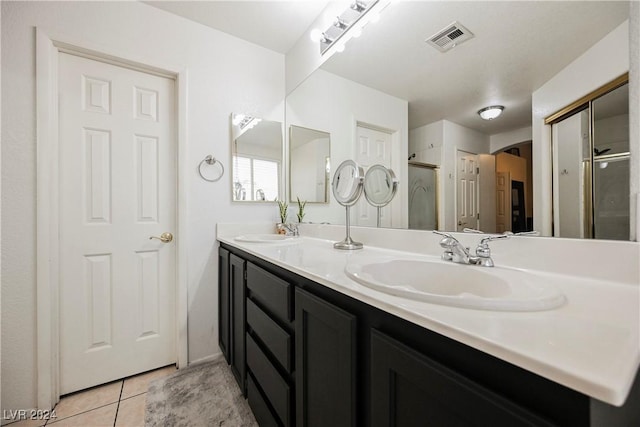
{"x":490,"y":113}
{"x":342,"y":23}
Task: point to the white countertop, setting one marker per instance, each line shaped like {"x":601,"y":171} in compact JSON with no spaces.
{"x":591,"y":344}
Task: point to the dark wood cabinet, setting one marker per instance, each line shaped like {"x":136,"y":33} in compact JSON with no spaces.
{"x":409,"y":389}
{"x":223,"y":303}
{"x":237,"y":315}
{"x":307,"y":355}
{"x":269,"y":339}
{"x":325,"y":363}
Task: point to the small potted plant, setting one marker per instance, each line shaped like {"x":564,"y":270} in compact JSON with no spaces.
{"x":283,"y":207}
{"x":301,"y":206}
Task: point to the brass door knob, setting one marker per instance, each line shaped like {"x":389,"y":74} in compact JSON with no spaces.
{"x":164,"y":237}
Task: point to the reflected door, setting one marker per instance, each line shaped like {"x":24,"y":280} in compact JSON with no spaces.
{"x":117,"y":188}
{"x":467,"y":191}
{"x":373,"y":147}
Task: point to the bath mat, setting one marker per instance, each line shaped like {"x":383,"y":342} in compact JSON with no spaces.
{"x":202,"y":395}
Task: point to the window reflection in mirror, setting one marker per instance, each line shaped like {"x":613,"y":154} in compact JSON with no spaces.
{"x":310,"y":167}
{"x":256,"y":159}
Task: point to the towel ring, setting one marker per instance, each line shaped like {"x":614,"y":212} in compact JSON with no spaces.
{"x":210,"y":160}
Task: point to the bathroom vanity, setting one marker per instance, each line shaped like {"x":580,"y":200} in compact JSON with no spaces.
{"x":310,"y":347}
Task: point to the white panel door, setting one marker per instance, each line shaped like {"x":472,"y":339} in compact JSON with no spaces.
{"x":467,"y":191}
{"x":373,"y":148}
{"x":117,"y":188}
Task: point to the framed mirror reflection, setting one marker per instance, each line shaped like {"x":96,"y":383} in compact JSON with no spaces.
{"x":256,"y":159}
{"x":493,"y":175}
{"x":309,"y":164}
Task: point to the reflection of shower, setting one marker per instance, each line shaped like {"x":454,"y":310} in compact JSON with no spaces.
{"x":413,"y":156}
{"x":423,"y":207}
{"x":592,"y":158}
{"x":260,"y":194}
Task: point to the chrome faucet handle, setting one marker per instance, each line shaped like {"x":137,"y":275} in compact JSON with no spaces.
{"x":523,"y":233}
{"x":472,"y":230}
{"x":291,"y":229}
{"x":448,"y":240}
{"x":486,"y":240}
{"x":447,"y":243}
{"x":443,"y":233}
{"x":483,"y":251}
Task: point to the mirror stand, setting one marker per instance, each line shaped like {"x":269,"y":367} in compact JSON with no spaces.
{"x":348,"y":243}
{"x":347,"y":187}
{"x":380,"y":185}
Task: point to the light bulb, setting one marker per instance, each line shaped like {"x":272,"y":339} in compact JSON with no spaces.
{"x":340,"y":47}
{"x":316,"y":35}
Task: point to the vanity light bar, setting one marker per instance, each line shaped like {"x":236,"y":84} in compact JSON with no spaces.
{"x":343,"y":22}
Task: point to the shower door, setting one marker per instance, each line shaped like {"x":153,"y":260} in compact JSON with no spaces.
{"x":423,"y":197}
{"x":591,"y":156}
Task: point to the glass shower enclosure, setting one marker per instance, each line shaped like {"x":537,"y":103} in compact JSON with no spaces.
{"x":591,"y":157}
{"x":423,"y":197}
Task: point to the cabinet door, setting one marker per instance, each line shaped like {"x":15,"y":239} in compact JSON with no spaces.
{"x":325,"y":363}
{"x":223,"y":302}
{"x":237,"y":316}
{"x":409,"y":389}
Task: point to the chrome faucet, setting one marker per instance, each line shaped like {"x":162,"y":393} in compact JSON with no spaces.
{"x":457,"y":252}
{"x":291,"y":229}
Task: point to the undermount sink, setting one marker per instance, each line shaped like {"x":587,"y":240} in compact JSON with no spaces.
{"x":446,"y":283}
{"x":264,"y":238}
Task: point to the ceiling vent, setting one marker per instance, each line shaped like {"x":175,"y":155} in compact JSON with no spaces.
{"x":450,"y":37}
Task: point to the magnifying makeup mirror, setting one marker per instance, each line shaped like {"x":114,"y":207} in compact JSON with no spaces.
{"x":347,"y":189}
{"x":380,"y":186}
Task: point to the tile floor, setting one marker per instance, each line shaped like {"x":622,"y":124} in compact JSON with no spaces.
{"x":117,"y":404}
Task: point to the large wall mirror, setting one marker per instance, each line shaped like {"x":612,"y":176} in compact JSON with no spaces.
{"x":256,"y":159}
{"x":392,"y":98}
{"x":309,"y":164}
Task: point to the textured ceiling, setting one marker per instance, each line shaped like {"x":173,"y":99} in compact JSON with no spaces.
{"x":517,"y":47}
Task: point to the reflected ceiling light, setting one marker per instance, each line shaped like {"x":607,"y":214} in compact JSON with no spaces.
{"x":244,"y":122}
{"x":490,"y":113}
{"x":343,"y":23}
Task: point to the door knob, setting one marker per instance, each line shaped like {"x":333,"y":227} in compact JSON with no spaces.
{"x":164,"y":237}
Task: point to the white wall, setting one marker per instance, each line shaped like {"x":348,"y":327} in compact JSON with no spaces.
{"x":437,"y":144}
{"x":333,"y":104}
{"x":308,"y":172}
{"x":456,"y":138}
{"x":500,"y":141}
{"x":603,"y":62}
{"x":426,"y":143}
{"x":225,"y":75}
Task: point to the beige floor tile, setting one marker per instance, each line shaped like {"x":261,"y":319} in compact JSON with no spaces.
{"x":27,"y":423}
{"x":140,"y":383}
{"x":87,"y":400}
{"x":131,"y":411}
{"x":101,"y":417}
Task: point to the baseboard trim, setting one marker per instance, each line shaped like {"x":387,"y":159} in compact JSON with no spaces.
{"x":206,"y":359}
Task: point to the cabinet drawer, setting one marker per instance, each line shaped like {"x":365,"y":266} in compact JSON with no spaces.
{"x":276,"y":339}
{"x":270,"y":291}
{"x":274,"y":386}
{"x":259,"y":406}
